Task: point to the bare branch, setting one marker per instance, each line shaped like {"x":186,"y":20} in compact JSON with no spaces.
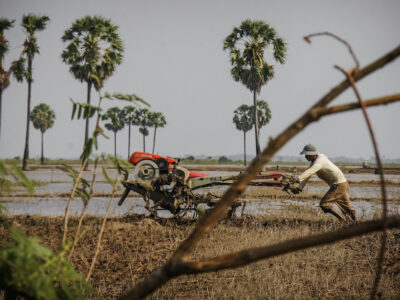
{"x":205,"y":224}
{"x":85,"y":205}
{"x":322,"y":111}
{"x":383,"y":187}
{"x":308,"y":39}
{"x":103,"y":226}
{"x":66,"y":218}
{"x":244,"y":257}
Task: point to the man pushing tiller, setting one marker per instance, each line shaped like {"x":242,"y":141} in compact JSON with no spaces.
{"x":339,"y":187}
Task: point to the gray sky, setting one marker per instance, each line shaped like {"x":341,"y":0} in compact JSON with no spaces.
{"x":174,"y":60}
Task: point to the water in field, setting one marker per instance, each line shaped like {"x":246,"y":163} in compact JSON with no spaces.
{"x":56,"y":175}
{"x":54,"y":181}
{"x":360,"y":192}
{"x":97,"y":206}
{"x":52,"y":194}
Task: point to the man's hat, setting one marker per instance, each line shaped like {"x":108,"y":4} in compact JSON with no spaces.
{"x":309,"y":150}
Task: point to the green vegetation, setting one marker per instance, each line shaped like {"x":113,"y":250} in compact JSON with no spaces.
{"x":224,"y":160}
{"x":116,"y":123}
{"x":247,"y":44}
{"x":42,"y":117}
{"x":31,"y":24}
{"x":32,"y":271}
{"x":129,"y":116}
{"x":11,"y":170}
{"x":263,"y":114}
{"x":243,"y":119}
{"x":93,"y":53}
{"x":5,"y":24}
{"x":143,"y":120}
{"x":157,"y":120}
{"x":29,"y":270}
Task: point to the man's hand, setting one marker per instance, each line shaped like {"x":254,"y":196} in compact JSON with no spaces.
{"x":295,"y":179}
{"x":295,"y":188}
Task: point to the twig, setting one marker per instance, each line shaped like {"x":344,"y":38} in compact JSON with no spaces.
{"x":103,"y":225}
{"x":244,"y":257}
{"x":233,"y":260}
{"x":308,"y":40}
{"x":322,"y":111}
{"x":78,"y":230}
{"x":350,"y":78}
{"x":206,"y":223}
{"x":383,"y":187}
{"x":66,"y":217}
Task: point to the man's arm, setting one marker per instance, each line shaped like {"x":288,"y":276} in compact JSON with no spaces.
{"x":303,"y":178}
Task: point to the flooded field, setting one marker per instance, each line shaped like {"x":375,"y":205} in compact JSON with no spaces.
{"x":56,"y":175}
{"x":53,"y":189}
{"x":97,"y":206}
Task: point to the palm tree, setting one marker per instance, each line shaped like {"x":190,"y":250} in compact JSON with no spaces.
{"x":263,"y":114}
{"x":42,"y":117}
{"x":116,"y":118}
{"x":247,"y":45}
{"x":4,"y":75}
{"x":129,"y":114}
{"x":157,"y":120}
{"x":243,"y":119}
{"x":145,"y":132}
{"x":30,"y":23}
{"x":143,"y":121}
{"x":93,"y":52}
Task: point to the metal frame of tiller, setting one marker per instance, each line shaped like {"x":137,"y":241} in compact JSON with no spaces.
{"x":171,"y":187}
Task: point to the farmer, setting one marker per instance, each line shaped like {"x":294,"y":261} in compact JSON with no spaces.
{"x":339,"y":187}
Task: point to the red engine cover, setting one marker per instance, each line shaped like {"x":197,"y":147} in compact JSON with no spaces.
{"x":138,"y":156}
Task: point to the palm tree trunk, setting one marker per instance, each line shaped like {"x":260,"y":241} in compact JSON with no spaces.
{"x":89,"y":88}
{"x":42,"y":156}
{"x":258,"y":150}
{"x":154,"y":138}
{"x":1,"y":96}
{"x":244,"y":143}
{"x":28,"y":112}
{"x":144,"y":143}
{"x":129,"y":140}
{"x":115,"y":144}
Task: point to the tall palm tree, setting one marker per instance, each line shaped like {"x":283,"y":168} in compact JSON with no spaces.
{"x":243,"y":119}
{"x":116,"y":118}
{"x":42,"y":117}
{"x":31,"y":24}
{"x":129,"y":115}
{"x":247,"y":45}
{"x":263,"y":114}
{"x":93,"y":52}
{"x":4,"y":74}
{"x":143,"y":121}
{"x":157,"y":120}
{"x":145,"y":132}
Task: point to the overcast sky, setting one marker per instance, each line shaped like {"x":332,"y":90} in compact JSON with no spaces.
{"x":174,"y":60}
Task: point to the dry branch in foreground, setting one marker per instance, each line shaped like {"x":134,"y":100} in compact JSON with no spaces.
{"x":205,"y":224}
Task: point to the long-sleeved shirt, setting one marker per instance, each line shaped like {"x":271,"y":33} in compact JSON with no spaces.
{"x":325,"y":169}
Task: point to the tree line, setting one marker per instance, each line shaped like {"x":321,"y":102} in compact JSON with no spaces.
{"x":93,"y":51}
